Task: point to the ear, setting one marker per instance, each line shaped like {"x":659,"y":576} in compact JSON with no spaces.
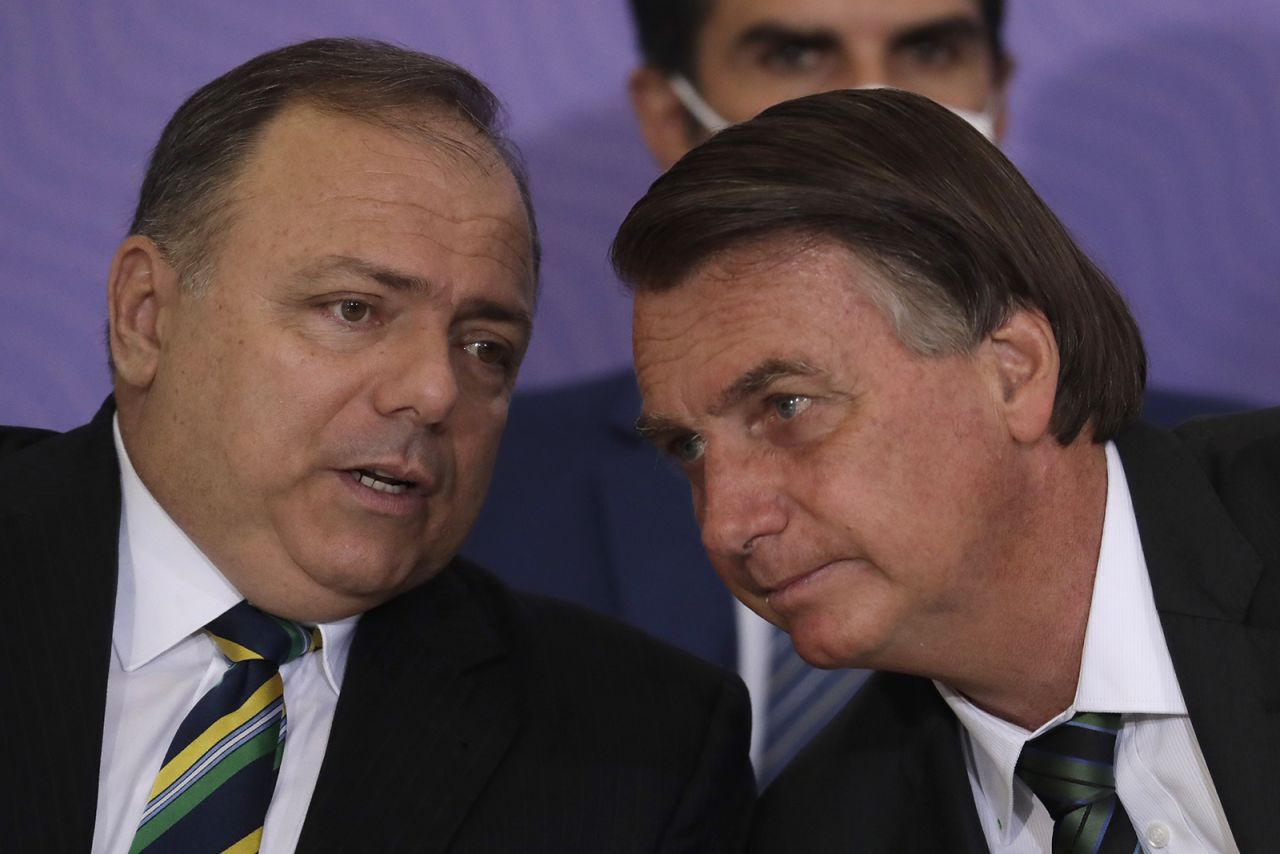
{"x":663,"y":121}
{"x":1024,"y":373}
{"x":142,"y":290}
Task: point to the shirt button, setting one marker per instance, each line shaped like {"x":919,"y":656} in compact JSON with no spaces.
{"x":1157,"y":834}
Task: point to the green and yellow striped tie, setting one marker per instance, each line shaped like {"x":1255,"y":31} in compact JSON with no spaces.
{"x":1071,"y":769}
{"x":215,"y":783}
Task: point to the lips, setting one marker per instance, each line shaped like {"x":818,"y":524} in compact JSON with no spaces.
{"x":791,"y":581}
{"x":794,"y":587}
{"x":382,"y":481}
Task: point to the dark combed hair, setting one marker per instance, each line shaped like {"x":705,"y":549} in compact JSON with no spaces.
{"x":202,"y":149}
{"x":958,"y":237}
{"x":667,"y":31}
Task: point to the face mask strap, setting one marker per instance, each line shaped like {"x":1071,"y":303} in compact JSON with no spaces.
{"x":702,"y":112}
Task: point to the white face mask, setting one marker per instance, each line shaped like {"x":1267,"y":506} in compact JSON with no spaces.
{"x":980,"y":120}
{"x":983,"y":121}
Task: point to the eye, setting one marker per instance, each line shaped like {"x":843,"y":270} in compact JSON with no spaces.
{"x":788,"y":406}
{"x":352,"y":310}
{"x":689,"y":449}
{"x":795,"y":56}
{"x":933,"y":52}
{"x":489,"y":352}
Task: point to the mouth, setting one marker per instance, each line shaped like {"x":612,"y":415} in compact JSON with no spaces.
{"x":794,"y":588}
{"x":382,"y":481}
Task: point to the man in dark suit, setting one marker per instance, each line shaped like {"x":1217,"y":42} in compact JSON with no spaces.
{"x":908,"y":408}
{"x":580,"y":507}
{"x":315,"y":324}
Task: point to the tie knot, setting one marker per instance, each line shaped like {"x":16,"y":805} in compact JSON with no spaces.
{"x":1072,"y":764}
{"x":245,"y":633}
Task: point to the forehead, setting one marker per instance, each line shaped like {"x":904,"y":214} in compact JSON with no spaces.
{"x":315,"y":176}
{"x":747,"y":306}
{"x":852,"y":19}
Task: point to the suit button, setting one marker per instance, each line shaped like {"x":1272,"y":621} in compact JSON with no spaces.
{"x":1157,"y":834}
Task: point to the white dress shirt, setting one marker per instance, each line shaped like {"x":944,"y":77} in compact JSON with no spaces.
{"x":1161,"y":776}
{"x":754,"y":633}
{"x":162,"y":664}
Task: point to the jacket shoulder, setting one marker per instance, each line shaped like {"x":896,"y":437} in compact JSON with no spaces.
{"x":14,"y":439}
{"x":600,"y":651}
{"x":44,"y":472}
{"x":1240,"y":455}
{"x":887,"y":774}
{"x":664,"y":734}
{"x":1219,"y":438}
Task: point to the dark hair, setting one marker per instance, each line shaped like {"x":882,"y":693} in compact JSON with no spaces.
{"x":667,"y":31}
{"x":181,"y":205}
{"x":958,"y":237}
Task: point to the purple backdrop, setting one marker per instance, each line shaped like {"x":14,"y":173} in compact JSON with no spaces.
{"x":1151,"y":127}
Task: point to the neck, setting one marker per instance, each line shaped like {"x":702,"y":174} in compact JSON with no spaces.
{"x":1022,"y":664}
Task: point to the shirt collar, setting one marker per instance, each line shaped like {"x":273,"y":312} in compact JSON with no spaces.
{"x":1122,"y":615}
{"x":168,"y":589}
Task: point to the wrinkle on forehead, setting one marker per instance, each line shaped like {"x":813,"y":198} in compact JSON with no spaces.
{"x":777,"y":291}
{"x":450,"y":189}
{"x":753,"y":256}
{"x":485,"y":236}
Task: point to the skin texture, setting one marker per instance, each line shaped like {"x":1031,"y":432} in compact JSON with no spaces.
{"x":889,"y":510}
{"x":752,"y":54}
{"x":368,"y":310}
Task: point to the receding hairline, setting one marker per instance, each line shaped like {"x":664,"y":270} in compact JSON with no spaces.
{"x":437,"y":127}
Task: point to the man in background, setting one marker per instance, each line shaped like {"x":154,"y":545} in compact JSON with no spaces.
{"x":580,"y":507}
{"x":315,"y":324}
{"x":908,"y":408}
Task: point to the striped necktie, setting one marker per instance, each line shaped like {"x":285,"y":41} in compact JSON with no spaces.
{"x":1071,"y":769}
{"x":802,"y":700}
{"x":217,"y":778}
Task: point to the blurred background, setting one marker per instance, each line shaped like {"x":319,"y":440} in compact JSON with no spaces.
{"x":1152,"y":127}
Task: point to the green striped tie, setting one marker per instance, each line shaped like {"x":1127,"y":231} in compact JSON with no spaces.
{"x":215,"y":783}
{"x":1071,"y":769}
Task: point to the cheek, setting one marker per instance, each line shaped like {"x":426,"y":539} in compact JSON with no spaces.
{"x":477,"y":431}
{"x":902,"y":485}
{"x":285,"y":385}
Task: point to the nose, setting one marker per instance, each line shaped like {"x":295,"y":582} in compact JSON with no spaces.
{"x":868,"y":68}
{"x":418,"y":381}
{"x":739,"y":503}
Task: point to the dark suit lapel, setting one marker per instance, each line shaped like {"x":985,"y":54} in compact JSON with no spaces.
{"x":1204,"y":576}
{"x":664,"y":581}
{"x":887,"y":774}
{"x":428,"y":708}
{"x":59,"y":521}
{"x":935,"y":771}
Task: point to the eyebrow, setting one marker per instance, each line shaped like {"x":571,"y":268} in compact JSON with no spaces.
{"x":654,"y":427}
{"x":345,"y":264}
{"x":480,"y":308}
{"x":955,"y":28}
{"x":397,"y":280}
{"x":761,"y":376}
{"x":772,"y":34}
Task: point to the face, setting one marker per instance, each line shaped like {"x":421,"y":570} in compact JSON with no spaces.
{"x":849,"y":491}
{"x":323,"y":418}
{"x":752,"y":54}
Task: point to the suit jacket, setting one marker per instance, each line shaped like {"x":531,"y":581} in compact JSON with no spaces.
{"x":888,"y":773}
{"x":583,"y":509}
{"x":471,"y":719}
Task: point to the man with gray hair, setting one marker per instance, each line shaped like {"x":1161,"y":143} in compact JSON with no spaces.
{"x":579,"y":506}
{"x":315,"y":324}
{"x":908,"y":407}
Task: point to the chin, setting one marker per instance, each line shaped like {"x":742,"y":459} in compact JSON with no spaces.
{"x":363,"y":571}
{"x":825,"y":641}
